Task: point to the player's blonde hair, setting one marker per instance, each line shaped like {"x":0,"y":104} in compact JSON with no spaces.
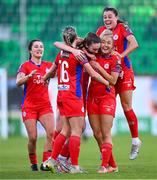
{"x":106,"y":32}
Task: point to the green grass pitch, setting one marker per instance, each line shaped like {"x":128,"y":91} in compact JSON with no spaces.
{"x":14,"y":162}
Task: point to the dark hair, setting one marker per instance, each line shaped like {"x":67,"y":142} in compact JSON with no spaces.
{"x":31,"y":44}
{"x":115,"y":12}
{"x":91,"y":38}
{"x":69,"y":35}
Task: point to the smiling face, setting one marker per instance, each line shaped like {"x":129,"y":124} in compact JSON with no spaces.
{"x":37,"y":49}
{"x":107,"y":45}
{"x":110,"y":19}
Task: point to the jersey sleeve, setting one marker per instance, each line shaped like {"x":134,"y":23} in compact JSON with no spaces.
{"x":84,"y":61}
{"x":22,"y":68}
{"x":100,"y":30}
{"x":115,"y":66}
{"x":126,"y":31}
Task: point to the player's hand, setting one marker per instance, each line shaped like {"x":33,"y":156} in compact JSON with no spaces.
{"x":94,"y":65}
{"x":117,"y":54}
{"x":32,"y":73}
{"x":79,"y":54}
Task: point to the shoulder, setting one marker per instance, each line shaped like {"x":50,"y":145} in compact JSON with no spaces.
{"x":100,"y":30}
{"x":125,"y":27}
{"x":48,"y":63}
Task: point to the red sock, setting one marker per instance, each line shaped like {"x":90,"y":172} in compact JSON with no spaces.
{"x":112,"y":161}
{"x":106,"y":150}
{"x":65,"y":150}
{"x":74,"y":148}
{"x":57,"y":146}
{"x":33,"y":158}
{"x":133,"y":122}
{"x":46,"y":155}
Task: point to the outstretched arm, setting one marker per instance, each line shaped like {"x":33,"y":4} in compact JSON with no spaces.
{"x":51,"y":73}
{"x":76,"y":52}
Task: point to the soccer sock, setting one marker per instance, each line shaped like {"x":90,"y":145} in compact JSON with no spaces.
{"x":57,"y":146}
{"x":33,"y":158}
{"x":74,"y":148}
{"x":46,"y":155}
{"x":106,"y":150}
{"x":133,"y":122}
{"x":65,"y":150}
{"x":112,"y":161}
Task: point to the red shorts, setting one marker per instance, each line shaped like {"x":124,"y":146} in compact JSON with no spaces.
{"x":35,"y":113}
{"x":71,"y":107}
{"x":106,"y":105}
{"x":126,"y":83}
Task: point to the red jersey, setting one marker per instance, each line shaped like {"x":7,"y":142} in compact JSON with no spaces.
{"x":120,"y":32}
{"x":35,"y":90}
{"x":69,"y":76}
{"x":110,"y":64}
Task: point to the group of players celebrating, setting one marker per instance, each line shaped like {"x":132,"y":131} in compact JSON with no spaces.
{"x":100,"y":57}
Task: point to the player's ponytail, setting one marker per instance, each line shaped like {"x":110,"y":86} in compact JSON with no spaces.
{"x":69,"y":35}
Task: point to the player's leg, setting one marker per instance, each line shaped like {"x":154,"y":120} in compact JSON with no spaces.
{"x":77,"y":125}
{"x":126,"y":101}
{"x":31,"y":128}
{"x":94,"y":121}
{"x":106,"y":148}
{"x":47,"y":121}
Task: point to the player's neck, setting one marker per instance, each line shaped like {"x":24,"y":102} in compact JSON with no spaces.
{"x":36,"y":61}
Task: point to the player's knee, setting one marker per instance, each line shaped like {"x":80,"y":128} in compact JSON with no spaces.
{"x":33,"y":139}
{"x":97,"y":135}
{"x":126,"y":106}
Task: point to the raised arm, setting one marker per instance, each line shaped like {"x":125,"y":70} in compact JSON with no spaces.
{"x":22,"y":78}
{"x":79,"y":54}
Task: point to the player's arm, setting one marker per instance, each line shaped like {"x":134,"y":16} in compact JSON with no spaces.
{"x":79,"y":54}
{"x":132,"y":45}
{"x":95,"y":75}
{"x":112,"y":78}
{"x":51,"y":73}
{"x":89,"y":55}
{"x":22,"y":78}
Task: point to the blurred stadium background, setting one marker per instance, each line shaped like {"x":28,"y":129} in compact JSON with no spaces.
{"x":24,"y":20}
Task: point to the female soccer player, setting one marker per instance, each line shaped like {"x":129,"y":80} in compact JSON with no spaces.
{"x":36,"y":105}
{"x":101,"y":102}
{"x":70,"y":100}
{"x":125,"y":43}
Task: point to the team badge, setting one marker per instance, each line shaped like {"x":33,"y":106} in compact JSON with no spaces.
{"x":115,"y":37}
{"x":106,"y":66}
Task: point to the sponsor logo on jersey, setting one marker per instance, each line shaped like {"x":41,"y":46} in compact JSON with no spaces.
{"x":63,"y":87}
{"x":38,"y":79}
